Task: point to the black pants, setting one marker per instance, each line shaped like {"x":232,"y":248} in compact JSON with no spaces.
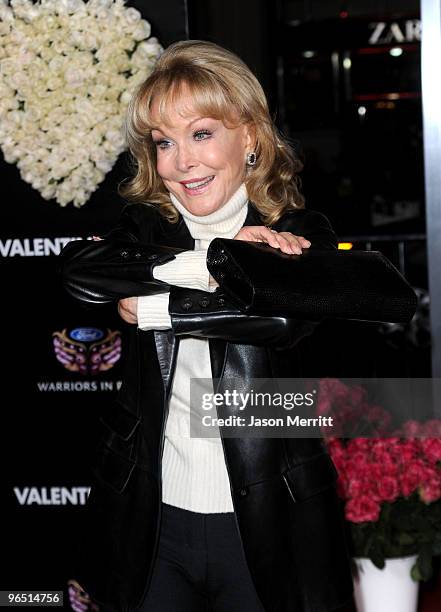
{"x":200,"y":566}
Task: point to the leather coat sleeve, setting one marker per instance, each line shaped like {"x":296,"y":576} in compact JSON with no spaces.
{"x":119,"y":266}
{"x":212,"y":315}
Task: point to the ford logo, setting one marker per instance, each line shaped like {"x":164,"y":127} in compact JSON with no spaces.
{"x":86,"y":334}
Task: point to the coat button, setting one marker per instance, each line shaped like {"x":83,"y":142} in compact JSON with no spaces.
{"x":221,"y":300}
{"x":137,"y":254}
{"x":186,"y":304}
{"x":221,"y":274}
{"x":204,"y":302}
{"x":152,"y":257}
{"x":243,"y":492}
{"x":124,"y":253}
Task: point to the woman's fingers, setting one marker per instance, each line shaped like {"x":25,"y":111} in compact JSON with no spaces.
{"x":287,"y":242}
{"x":284,"y":241}
{"x":270,"y":237}
{"x":128,"y":310}
{"x":291,"y":243}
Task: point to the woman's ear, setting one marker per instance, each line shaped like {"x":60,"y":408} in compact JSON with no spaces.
{"x":250,"y":137}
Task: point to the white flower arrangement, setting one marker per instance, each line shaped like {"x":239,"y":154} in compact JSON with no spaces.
{"x":68,"y":69}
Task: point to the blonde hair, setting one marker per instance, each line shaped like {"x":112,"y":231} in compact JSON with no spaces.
{"x":221,"y":86}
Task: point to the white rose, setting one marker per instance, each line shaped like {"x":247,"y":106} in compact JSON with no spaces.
{"x":49,"y":6}
{"x":100,"y":4}
{"x":5,"y":28}
{"x":148,"y":48}
{"x":73,"y":76}
{"x":81,"y":197}
{"x":59,"y":171}
{"x":54,"y":83}
{"x":10,"y":156}
{"x":105,"y":165}
{"x":38,"y":182}
{"x":125,"y":97}
{"x":7,"y":66}
{"x":6,"y":13}
{"x":70,"y":6}
{"x":98,"y":175}
{"x":114,"y":137}
{"x":10,"y":103}
{"x":32,"y":115}
{"x":47,"y":53}
{"x":131,"y":15}
{"x":89,"y":41}
{"x":63,"y":196}
{"x":5,"y":90}
{"x":24,"y":57}
{"x":20,"y":7}
{"x":97,"y":90}
{"x":76,"y":180}
{"x":48,"y":192}
{"x":15,"y":117}
{"x":17,"y":80}
{"x":141,"y":31}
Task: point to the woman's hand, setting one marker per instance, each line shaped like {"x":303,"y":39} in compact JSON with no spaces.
{"x":212,"y":283}
{"x":285,"y":241}
{"x":128,"y":310}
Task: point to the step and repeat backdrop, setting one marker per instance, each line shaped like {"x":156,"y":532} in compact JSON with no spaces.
{"x":67,"y":70}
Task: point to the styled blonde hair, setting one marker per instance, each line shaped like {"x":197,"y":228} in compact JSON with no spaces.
{"x":221,"y":86}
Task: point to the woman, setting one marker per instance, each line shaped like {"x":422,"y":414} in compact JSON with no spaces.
{"x":176,"y":523}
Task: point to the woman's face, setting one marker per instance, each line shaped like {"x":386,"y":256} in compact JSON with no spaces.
{"x":200,"y":160}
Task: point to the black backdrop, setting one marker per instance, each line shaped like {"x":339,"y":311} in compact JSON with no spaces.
{"x":50,"y":414}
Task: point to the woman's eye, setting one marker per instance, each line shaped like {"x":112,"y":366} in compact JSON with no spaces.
{"x":199,"y":135}
{"x":202,"y":133}
{"x":161,"y":144}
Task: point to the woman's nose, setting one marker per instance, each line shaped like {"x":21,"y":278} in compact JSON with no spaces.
{"x":185,"y":158}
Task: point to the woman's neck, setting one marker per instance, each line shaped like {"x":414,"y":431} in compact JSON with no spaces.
{"x":224,"y":222}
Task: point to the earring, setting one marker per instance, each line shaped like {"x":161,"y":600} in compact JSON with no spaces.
{"x":251,"y":158}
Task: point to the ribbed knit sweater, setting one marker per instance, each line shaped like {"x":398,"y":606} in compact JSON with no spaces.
{"x":194,"y":474}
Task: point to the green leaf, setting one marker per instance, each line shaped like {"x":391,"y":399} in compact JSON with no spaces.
{"x":415,"y":573}
{"x":436,"y":545}
{"x":377,"y":557}
{"x":405,"y":538}
{"x":424,"y":562}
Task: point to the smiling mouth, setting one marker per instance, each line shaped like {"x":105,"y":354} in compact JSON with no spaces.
{"x":198,"y":185}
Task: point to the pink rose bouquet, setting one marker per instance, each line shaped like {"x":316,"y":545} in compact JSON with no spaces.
{"x":390,"y":485}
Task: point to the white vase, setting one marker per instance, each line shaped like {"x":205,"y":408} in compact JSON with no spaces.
{"x":388,"y":590}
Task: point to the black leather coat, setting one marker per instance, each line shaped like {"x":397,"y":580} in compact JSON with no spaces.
{"x":283,"y":490}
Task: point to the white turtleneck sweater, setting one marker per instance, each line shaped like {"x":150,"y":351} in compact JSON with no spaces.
{"x":194,"y":474}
